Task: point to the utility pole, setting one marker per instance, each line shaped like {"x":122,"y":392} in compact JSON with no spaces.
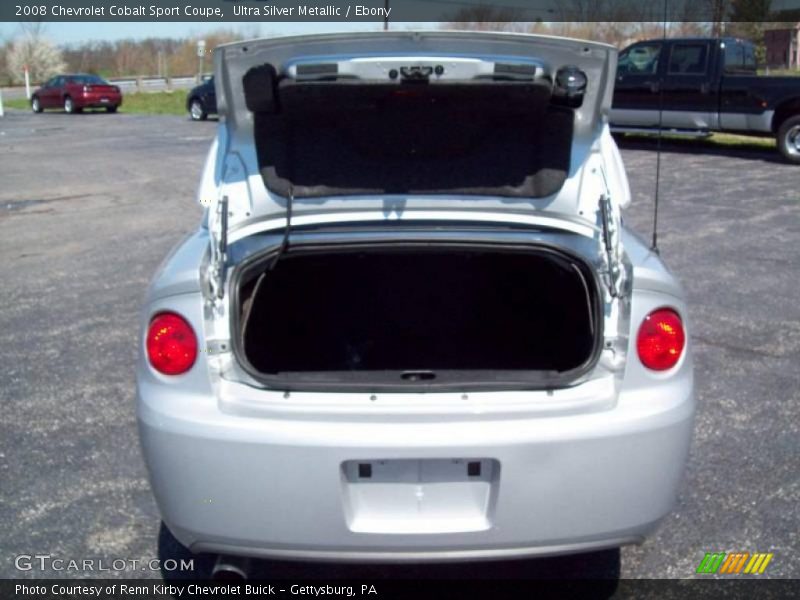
{"x":201,"y":52}
{"x":27,"y":83}
{"x":797,"y":48}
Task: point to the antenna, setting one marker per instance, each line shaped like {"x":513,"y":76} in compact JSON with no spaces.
{"x":654,"y":245}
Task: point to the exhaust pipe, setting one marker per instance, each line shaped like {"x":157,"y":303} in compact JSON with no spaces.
{"x":231,"y":569}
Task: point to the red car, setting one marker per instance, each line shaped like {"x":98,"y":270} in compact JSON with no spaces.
{"x":73,"y":93}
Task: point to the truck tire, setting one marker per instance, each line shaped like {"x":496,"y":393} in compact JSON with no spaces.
{"x":197,"y":110}
{"x":788,"y":139}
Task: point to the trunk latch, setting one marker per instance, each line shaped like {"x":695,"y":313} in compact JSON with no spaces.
{"x":418,"y":376}
{"x":416,"y":73}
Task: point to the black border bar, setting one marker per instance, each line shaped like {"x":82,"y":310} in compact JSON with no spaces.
{"x":454,"y":11}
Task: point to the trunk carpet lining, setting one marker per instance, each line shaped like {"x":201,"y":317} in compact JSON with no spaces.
{"x":418,"y":311}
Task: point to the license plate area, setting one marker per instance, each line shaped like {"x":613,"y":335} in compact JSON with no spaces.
{"x":420,"y":495}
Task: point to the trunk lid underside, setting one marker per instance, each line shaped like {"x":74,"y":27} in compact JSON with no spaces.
{"x":419,"y":120}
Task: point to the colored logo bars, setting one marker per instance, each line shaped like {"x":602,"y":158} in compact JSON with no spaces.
{"x":734,"y":563}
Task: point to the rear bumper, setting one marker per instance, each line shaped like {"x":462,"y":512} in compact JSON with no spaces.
{"x":277,"y":488}
{"x":97,"y":100}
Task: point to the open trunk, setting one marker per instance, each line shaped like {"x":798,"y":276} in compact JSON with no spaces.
{"x":419,"y":315}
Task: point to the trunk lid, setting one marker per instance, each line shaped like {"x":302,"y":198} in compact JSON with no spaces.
{"x":264,"y":87}
{"x":98,"y":88}
{"x":413,"y":126}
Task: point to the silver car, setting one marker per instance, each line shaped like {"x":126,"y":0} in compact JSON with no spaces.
{"x":412,"y":325}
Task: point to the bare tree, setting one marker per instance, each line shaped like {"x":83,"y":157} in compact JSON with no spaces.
{"x":487,"y":18}
{"x":131,"y":57}
{"x":717,"y":12}
{"x":4,"y":49}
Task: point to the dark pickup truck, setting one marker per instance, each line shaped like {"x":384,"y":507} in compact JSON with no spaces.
{"x":700,"y":85}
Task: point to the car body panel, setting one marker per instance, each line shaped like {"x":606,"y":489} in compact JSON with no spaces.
{"x":610,"y":457}
{"x":245,"y":468}
{"x":596,"y":479}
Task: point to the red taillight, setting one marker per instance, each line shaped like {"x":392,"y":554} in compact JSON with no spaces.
{"x":661,"y":339}
{"x":171,"y":344}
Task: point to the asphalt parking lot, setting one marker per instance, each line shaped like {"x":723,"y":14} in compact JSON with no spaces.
{"x":89,"y":205}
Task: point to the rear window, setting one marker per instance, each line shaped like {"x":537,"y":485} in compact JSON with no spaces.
{"x":750,"y":63}
{"x":734,"y":57}
{"x":689,"y":59}
{"x":87,"y":80}
{"x":639,"y":60}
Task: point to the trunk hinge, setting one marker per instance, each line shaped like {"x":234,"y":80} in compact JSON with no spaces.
{"x":609,"y":233}
{"x":612,"y":223}
{"x":286,"y":231}
{"x":218,"y":231}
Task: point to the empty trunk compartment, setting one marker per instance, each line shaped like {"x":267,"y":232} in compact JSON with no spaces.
{"x":428,"y":315}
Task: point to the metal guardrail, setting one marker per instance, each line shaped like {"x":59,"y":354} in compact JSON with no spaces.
{"x":153,"y":84}
{"x":126,"y":84}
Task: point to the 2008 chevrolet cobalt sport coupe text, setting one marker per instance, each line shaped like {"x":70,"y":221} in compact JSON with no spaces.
{"x":412,"y":325}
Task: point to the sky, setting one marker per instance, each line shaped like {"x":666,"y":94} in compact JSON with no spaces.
{"x":68,"y":33}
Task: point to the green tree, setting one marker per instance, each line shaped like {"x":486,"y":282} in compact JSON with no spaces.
{"x":748,"y":21}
